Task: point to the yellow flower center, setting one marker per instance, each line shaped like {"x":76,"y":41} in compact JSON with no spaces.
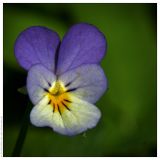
{"x":59,"y":97}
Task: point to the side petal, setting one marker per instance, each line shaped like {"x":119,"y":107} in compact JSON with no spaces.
{"x":87,"y":82}
{"x":39,"y":79}
{"x":82,"y":116}
{"x":37,"y":45}
{"x":83,"y":44}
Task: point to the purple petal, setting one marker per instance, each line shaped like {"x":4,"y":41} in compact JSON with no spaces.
{"x":39,"y":78}
{"x":37,"y":45}
{"x":83,"y":44}
{"x":87,"y":82}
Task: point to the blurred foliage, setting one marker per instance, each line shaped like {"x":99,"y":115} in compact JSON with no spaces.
{"x":129,"y":108}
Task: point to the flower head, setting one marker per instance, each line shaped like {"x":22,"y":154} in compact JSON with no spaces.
{"x":64,"y":79}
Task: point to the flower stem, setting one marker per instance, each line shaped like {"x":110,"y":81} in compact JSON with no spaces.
{"x":23,"y":132}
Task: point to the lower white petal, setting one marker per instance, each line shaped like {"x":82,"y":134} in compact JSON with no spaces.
{"x":86,"y":113}
{"x":79,"y":116}
{"x":42,"y":115}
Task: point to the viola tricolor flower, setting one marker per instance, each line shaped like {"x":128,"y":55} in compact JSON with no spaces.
{"x":64,"y":78}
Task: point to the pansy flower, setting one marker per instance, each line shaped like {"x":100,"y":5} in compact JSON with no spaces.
{"x":64,"y":78}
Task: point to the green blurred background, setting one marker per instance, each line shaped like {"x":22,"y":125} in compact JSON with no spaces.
{"x":128,"y":126}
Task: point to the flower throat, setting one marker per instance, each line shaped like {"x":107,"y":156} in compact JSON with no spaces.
{"x":59,"y":97}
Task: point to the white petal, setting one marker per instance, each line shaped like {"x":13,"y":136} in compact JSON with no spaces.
{"x":80,"y":116}
{"x":86,"y":113}
{"x":42,"y":115}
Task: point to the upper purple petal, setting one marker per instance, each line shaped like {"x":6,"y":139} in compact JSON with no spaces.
{"x":37,"y":45}
{"x":83,"y":44}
